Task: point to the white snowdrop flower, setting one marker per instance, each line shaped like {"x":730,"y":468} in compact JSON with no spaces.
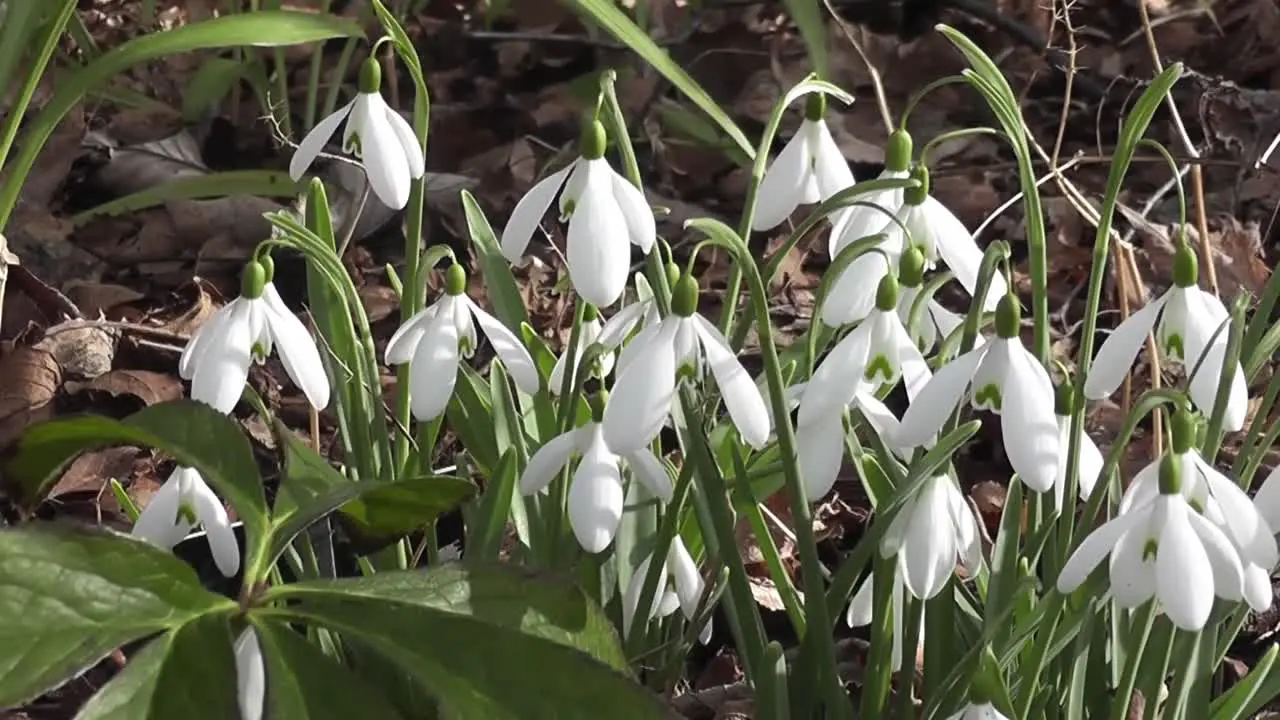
{"x":862,"y":610}
{"x":1267,"y":499}
{"x":979,"y":711}
{"x":375,"y":133}
{"x":1222,"y":502}
{"x":183,"y":502}
{"x":934,"y":528}
{"x":1007,"y":380}
{"x":1162,"y":549}
{"x":590,"y":333}
{"x":595,"y":490}
{"x":606,"y":215}
{"x":809,"y":169}
{"x":935,"y":322}
{"x":1089,"y":465}
{"x":680,"y":586}
{"x":858,"y":221}
{"x":642,"y":314}
{"x":820,"y":435}
{"x":941,"y":236}
{"x":251,"y":675}
{"x":646,"y":383}
{"x":1186,"y":320}
{"x":217,"y":358}
{"x":435,"y":340}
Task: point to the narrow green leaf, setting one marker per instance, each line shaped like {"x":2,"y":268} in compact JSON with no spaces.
{"x":209,"y":85}
{"x":471,"y":417}
{"x":508,"y":305}
{"x":73,"y":594}
{"x":267,"y":183}
{"x":194,"y":433}
{"x":487,"y":519}
{"x":1259,"y":687}
{"x":305,"y":684}
{"x":477,"y":668}
{"x":608,"y":16}
{"x":198,"y":677}
{"x":263,"y":28}
{"x":128,"y":695}
{"x":504,"y":595}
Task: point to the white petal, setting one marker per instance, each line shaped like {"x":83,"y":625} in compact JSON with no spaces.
{"x":1144,"y":487}
{"x":1133,"y":577}
{"x":929,"y":556}
{"x":404,"y":342}
{"x":1224,"y":560}
{"x":1184,"y":579}
{"x":830,"y":169}
{"x":219,"y":377}
{"x":632,"y":349}
{"x":385,"y":163}
{"x":598,"y":249}
{"x":508,"y":347}
{"x":641,"y":227}
{"x":1257,"y":589}
{"x":315,"y":140}
{"x":882,"y":421}
{"x":1267,"y":499}
{"x":783,"y":183}
{"x":433,"y":371}
{"x":404,"y":134}
{"x":938,"y":398}
{"x":684,"y":573}
{"x":1252,"y":534}
{"x":158,"y":522}
{"x":631,"y":597}
{"x":529,"y":211}
{"x":218,"y":531}
{"x":853,"y":294}
{"x":860,"y":221}
{"x":968,"y":541}
{"x":915,"y":371}
{"x":642,"y":396}
{"x":820,"y":449}
{"x":837,"y":378}
{"x":1097,"y":545}
{"x":862,"y":606}
{"x":1030,"y":428}
{"x":251,"y":675}
{"x":741,"y":396}
{"x":1115,"y":357}
{"x":297,"y":350}
{"x":955,"y":245}
{"x":616,"y":329}
{"x":595,"y":498}
{"x":551,"y":458}
{"x":1204,"y":385}
{"x":207,"y":338}
{"x":650,"y":471}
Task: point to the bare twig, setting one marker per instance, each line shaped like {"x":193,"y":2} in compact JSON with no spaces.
{"x":881,"y":100}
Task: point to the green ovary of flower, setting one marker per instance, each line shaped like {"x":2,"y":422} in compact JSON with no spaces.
{"x":593,"y":140}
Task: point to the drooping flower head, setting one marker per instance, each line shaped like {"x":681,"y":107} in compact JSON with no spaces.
{"x":680,"y":586}
{"x":601,"y":365}
{"x":606,"y":215}
{"x":217,"y":358}
{"x":183,"y":502}
{"x":932,"y":322}
{"x":855,"y":222}
{"x":1191,"y":328}
{"x":809,"y":169}
{"x":375,"y":133}
{"x":436,"y":338}
{"x":648,"y":370}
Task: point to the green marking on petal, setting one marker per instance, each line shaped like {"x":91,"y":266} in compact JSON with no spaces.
{"x":987,"y":397}
{"x":880,"y":367}
{"x":1149,"y":550}
{"x":188,"y":514}
{"x":1174,"y":347}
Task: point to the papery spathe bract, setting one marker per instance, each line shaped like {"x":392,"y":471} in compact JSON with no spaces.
{"x":595,"y":491}
{"x":809,"y":169}
{"x":606,"y":215}
{"x":435,"y":340}
{"x":183,"y":502}
{"x":1192,"y":327}
{"x":645,"y":389}
{"x":1007,"y":380}
{"x":1163,"y":549}
{"x":934,"y":529}
{"x":251,"y":675}
{"x":680,"y":586}
{"x":217,"y":358}
{"x":375,"y":133}
{"x":979,"y":711}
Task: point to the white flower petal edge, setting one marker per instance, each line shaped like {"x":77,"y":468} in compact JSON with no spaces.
{"x":433,"y":370}
{"x":643,"y":393}
{"x":529,"y":211}
{"x":159,"y":523}
{"x":595,"y":496}
{"x":550,"y":458}
{"x":385,"y":160}
{"x":598,"y":248}
{"x":297,"y":350}
{"x":251,"y":675}
{"x":780,"y":189}
{"x":1028,"y":422}
{"x":314,"y":141}
{"x":741,"y":396}
{"x":1118,"y":351}
{"x":508,"y":347}
{"x":929,"y":411}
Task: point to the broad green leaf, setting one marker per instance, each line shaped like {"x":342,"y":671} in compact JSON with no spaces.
{"x":305,"y":684}
{"x":607,"y":15}
{"x":263,"y":28}
{"x":478,"y":668}
{"x":508,"y":305}
{"x":128,"y":695}
{"x":73,"y":594}
{"x":267,"y":183}
{"x":197,"y":680}
{"x":504,"y":595}
{"x":194,"y":433}
{"x":386,"y":512}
